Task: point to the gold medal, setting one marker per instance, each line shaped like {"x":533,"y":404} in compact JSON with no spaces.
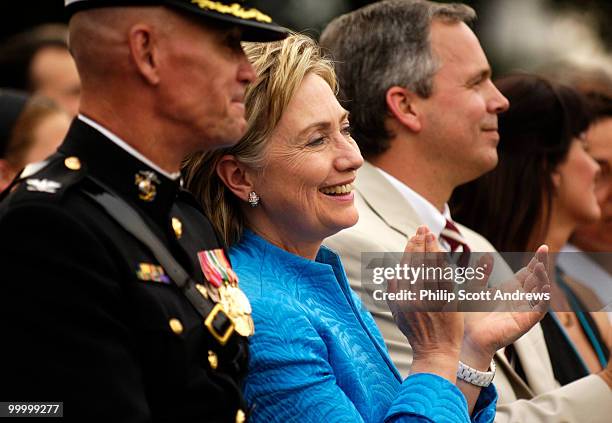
{"x":238,"y":308}
{"x":213,"y":293}
{"x":222,"y":287}
{"x":240,"y":301}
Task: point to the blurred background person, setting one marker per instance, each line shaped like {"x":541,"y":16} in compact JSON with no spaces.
{"x":598,"y":236}
{"x":541,"y":190}
{"x":38,"y":61}
{"x":31,"y":129}
{"x":317,"y":354}
{"x":588,"y":255}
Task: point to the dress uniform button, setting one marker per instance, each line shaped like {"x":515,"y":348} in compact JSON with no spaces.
{"x":240,"y":417}
{"x":177,"y":225}
{"x":176,"y":326}
{"x":72,"y":163}
{"x":213,"y":360}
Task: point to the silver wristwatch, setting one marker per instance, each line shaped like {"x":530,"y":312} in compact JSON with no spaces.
{"x":476,"y":377}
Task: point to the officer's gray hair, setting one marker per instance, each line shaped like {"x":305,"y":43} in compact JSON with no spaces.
{"x":280,"y":67}
{"x":383,"y":45}
{"x":99,"y":39}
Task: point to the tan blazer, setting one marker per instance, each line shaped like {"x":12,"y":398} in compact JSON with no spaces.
{"x":386,"y":221}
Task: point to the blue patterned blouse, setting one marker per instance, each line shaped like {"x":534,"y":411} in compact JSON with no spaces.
{"x":317,"y":355}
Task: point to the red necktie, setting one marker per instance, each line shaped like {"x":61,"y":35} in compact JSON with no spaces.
{"x":453,"y":237}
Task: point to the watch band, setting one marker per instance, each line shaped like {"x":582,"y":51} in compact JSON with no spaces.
{"x":476,"y":377}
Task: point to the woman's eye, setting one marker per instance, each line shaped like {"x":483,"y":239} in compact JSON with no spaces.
{"x":315,"y":142}
{"x":346,"y":130}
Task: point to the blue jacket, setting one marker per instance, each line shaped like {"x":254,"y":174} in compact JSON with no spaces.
{"x":317,"y":355}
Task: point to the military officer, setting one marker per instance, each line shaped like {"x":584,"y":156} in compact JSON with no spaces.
{"x":116,"y":296}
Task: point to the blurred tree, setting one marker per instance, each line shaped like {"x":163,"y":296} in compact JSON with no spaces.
{"x":601,"y":9}
{"x":312,"y":15}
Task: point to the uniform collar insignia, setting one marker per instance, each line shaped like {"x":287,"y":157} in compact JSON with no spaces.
{"x":43,"y":185}
{"x":147,"y":182}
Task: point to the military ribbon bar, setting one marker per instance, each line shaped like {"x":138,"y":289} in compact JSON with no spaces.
{"x":216,"y":267}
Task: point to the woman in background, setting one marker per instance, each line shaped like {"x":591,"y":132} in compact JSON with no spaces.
{"x":541,"y":189}
{"x":31,"y":129}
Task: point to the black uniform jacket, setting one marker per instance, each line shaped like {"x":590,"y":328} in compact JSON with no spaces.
{"x":88,"y":317}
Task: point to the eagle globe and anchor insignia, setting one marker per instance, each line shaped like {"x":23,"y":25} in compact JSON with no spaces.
{"x":224,"y":283}
{"x":147,"y":182}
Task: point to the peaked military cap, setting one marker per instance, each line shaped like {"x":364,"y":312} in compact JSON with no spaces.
{"x":256,"y":25}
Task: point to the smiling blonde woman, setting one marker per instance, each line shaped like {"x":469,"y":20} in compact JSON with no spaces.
{"x":316,"y":354}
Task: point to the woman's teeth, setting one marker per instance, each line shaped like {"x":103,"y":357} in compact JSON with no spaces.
{"x":337,"y":189}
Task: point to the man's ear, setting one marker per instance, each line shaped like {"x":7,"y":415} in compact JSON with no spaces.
{"x":236,"y":176}
{"x":145,"y":52}
{"x":402,"y":104}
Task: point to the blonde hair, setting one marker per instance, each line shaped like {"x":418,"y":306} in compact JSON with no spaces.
{"x":280,"y":67}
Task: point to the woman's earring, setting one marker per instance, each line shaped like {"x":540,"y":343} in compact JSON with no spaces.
{"x":253,"y":199}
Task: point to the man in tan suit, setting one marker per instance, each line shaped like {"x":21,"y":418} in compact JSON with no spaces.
{"x":424,"y":113}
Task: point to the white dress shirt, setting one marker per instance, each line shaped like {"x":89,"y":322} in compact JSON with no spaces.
{"x":427,"y":212}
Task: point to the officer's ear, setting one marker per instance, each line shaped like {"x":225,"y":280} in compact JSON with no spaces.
{"x":144,"y":51}
{"x":403,"y":106}
{"x":236,"y":176}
